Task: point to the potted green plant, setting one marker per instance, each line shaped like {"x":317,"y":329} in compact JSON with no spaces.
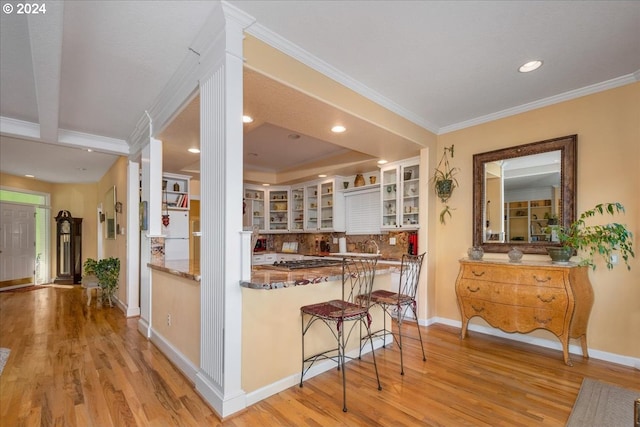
{"x":444,"y":181}
{"x":592,"y":240}
{"x":107,"y":271}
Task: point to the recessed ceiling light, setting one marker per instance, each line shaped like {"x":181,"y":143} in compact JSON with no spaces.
{"x":89,"y":150}
{"x":322,"y":175}
{"x":193,"y":150}
{"x":338,"y":129}
{"x":81,"y":169}
{"x":293,"y":136}
{"x":247,"y":119}
{"x":382,"y":161}
{"x":530,"y":66}
{"x":30,"y":176}
{"x":266,"y":185}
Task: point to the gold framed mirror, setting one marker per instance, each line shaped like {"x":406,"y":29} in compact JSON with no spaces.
{"x":521,"y":194}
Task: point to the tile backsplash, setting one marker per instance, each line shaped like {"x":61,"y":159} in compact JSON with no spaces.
{"x":311,"y":244}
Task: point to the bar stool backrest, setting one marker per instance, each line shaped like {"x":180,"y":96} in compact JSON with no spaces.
{"x":358,"y":275}
{"x":410,"y":274}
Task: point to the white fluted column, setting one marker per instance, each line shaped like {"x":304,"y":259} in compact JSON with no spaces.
{"x":219,"y":378}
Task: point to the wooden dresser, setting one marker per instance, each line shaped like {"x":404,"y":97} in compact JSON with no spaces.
{"x":526,"y":296}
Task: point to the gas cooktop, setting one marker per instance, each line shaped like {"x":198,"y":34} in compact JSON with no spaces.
{"x":304,"y":263}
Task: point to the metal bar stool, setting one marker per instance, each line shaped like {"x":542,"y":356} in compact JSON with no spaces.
{"x":357,"y":283}
{"x":396,"y":304}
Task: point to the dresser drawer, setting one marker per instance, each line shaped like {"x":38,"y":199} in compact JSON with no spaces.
{"x":519,"y":295}
{"x":514,"y":319}
{"x":515,"y":274}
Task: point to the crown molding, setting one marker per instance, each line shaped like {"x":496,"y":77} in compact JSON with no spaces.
{"x":556,"y":99}
{"x":103,"y":144}
{"x":19,"y":128}
{"x":31,"y":131}
{"x":278,"y":42}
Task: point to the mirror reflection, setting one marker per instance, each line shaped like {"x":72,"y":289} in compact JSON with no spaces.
{"x":522,"y":194}
{"x":523,"y":198}
{"x":109,"y":211}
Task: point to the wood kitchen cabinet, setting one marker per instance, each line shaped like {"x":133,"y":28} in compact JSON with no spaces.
{"x":297,"y":208}
{"x":267,"y":209}
{"x":324,"y":206}
{"x":400,"y":195}
{"x":522,"y":297}
{"x":278,"y":213}
{"x":255,"y":207}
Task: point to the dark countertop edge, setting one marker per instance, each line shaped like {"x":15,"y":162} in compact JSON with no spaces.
{"x":322,"y":255}
{"x":175,"y":271}
{"x":290,"y":284}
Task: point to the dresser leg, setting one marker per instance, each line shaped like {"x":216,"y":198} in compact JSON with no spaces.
{"x":463,"y":331}
{"x":583,"y":343}
{"x":565,"y":353}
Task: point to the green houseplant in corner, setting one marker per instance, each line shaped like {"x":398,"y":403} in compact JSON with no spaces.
{"x":592,"y":240}
{"x":444,"y":181}
{"x":107,"y":271}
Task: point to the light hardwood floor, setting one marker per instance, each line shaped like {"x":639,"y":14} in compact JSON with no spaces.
{"x":73,"y":365}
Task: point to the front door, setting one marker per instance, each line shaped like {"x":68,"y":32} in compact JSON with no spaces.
{"x":17,"y":244}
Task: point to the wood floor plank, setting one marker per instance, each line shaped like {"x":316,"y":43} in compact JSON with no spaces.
{"x":73,"y":365}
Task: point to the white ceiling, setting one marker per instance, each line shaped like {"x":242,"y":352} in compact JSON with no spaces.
{"x":83,"y":74}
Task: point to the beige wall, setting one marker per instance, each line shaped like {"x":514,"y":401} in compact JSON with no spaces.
{"x":608,"y":129}
{"x":82,"y":200}
{"x":178,"y":298}
{"x":75,"y":198}
{"x":116,"y":175}
{"x":271,"y":329}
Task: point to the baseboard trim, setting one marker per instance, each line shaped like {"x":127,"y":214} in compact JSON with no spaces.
{"x":222,"y":405}
{"x":317,"y":369}
{"x":174,"y":355}
{"x":132,"y":311}
{"x":144,"y":328}
{"x":542,"y":342}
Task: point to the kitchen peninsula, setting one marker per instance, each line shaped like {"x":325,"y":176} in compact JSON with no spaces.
{"x":271,"y":323}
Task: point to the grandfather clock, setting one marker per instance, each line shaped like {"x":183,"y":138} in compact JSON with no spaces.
{"x":68,"y":248}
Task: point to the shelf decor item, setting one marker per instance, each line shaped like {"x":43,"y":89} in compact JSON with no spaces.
{"x":359,"y":181}
{"x":475,"y":253}
{"x":444,"y":182}
{"x":515,"y":255}
{"x":606,"y":240}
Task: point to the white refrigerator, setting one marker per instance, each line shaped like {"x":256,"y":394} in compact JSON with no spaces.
{"x":176,"y":242}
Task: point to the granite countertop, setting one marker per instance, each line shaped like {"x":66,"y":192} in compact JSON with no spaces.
{"x":189,"y":269}
{"x":265,"y":277}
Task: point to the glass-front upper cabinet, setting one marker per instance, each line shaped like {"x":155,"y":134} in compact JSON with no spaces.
{"x":254,"y":207}
{"x":400,"y":194}
{"x":324,"y":208}
{"x":297,"y":208}
{"x":278,"y":209}
{"x":311,"y":222}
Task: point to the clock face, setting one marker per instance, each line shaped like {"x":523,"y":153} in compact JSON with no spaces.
{"x":65,"y":227}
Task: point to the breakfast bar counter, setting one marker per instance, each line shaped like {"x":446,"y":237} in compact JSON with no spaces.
{"x":267,"y":277}
{"x":271,"y":324}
